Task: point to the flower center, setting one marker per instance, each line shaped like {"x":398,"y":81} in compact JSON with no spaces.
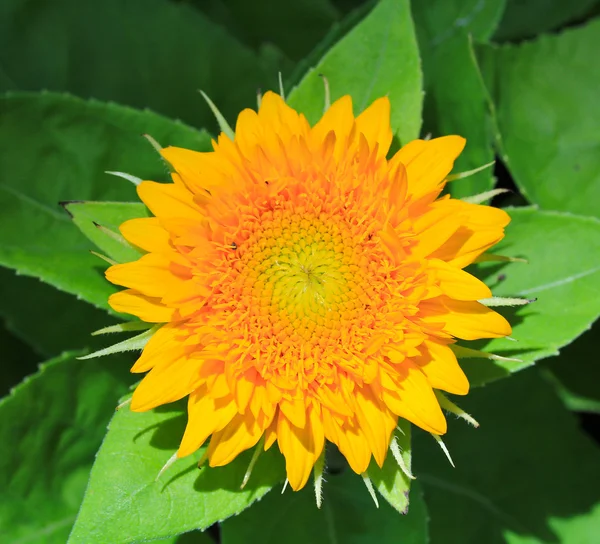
{"x":305,"y":277}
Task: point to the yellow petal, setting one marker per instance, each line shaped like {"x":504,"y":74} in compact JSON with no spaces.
{"x":146,"y":308}
{"x":162,"y":348}
{"x":457,"y":283}
{"x":416,"y":401}
{"x":169,"y":200}
{"x":376,"y":422}
{"x":150,"y":275}
{"x":294,"y":410}
{"x":166,"y":383}
{"x":339,"y":120}
{"x":350,"y":440}
{"x":429,"y":162}
{"x":242,"y":432}
{"x":205,"y":416}
{"x":480,"y":228}
{"x":468,"y":320}
{"x":147,"y":233}
{"x":301,"y":447}
{"x":374,"y":123}
{"x":441,"y":368}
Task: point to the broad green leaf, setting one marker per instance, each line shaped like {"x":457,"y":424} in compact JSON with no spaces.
{"x":546,"y":100}
{"x":125,"y":502}
{"x":347,"y":515}
{"x":144,"y":53}
{"x":576,"y":373}
{"x":527,"y":475}
{"x":563,"y":274}
{"x":294,"y":27}
{"x":378,"y":57}
{"x":528,"y":18}
{"x":455,"y":97}
{"x":55,"y":148}
{"x":46,"y":319}
{"x":337,"y":31}
{"x":390,"y":480}
{"x":100,"y":222}
{"x":51,"y":426}
{"x":19,"y":360}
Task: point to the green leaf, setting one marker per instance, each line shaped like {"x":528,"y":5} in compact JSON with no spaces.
{"x":390,"y":480}
{"x":100,"y":222}
{"x":293,"y":26}
{"x":19,"y":360}
{"x":562,"y":273}
{"x":159,"y":54}
{"x":528,"y":18}
{"x":527,"y":475}
{"x":184,"y":498}
{"x":46,"y":319}
{"x":455,"y":98}
{"x":348,"y":515}
{"x":378,"y":57}
{"x":55,"y":148}
{"x":546,"y":101}
{"x":576,"y":374}
{"x":51,"y":426}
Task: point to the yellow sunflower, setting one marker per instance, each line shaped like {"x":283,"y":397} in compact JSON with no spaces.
{"x":309,"y":287}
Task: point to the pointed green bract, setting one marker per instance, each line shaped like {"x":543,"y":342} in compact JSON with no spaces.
{"x":378,"y":57}
{"x":125,"y":502}
{"x":390,"y":480}
{"x":90,"y":216}
{"x":136,"y":343}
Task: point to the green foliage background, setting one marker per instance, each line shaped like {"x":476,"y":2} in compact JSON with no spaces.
{"x":82,"y":80}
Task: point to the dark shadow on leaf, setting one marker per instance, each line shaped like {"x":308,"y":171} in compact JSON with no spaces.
{"x":268,"y":471}
{"x":167,"y":435}
{"x":528,"y":463}
{"x":179,"y":475}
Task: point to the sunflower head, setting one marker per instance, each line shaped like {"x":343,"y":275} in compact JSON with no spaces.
{"x":310,"y":288}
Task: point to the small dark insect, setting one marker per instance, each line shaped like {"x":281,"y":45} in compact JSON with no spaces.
{"x":501,"y":277}
{"x":233,"y":246}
